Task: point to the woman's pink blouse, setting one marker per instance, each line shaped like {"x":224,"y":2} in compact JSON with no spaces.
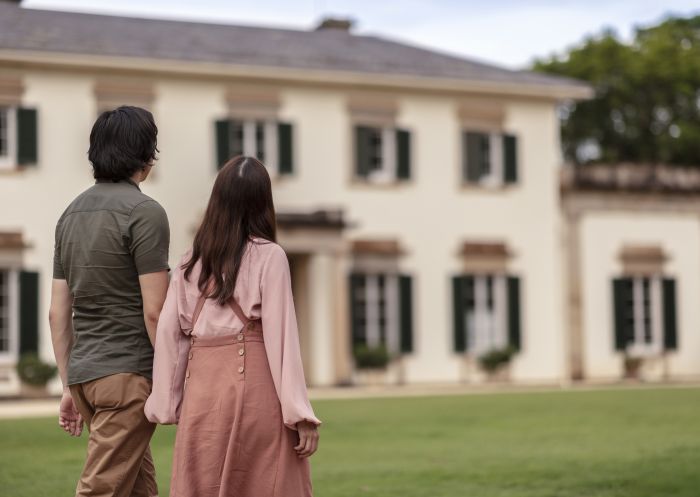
{"x":263,"y":290}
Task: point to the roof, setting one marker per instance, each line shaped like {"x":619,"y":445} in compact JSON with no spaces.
{"x":30,"y":31}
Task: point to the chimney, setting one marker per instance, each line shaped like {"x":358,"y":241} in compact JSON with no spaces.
{"x":335,"y":24}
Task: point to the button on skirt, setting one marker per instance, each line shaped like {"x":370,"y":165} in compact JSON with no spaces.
{"x":231,"y":441}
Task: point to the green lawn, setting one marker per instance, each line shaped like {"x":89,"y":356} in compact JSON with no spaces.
{"x":608,"y":443}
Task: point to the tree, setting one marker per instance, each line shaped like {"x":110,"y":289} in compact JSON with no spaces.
{"x":646,"y":107}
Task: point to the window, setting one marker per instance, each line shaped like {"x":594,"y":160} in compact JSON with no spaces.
{"x":7,"y":138}
{"x":381,"y":311}
{"x":18,"y":137}
{"x":489,"y":159}
{"x":19,"y":314}
{"x":486,"y":312}
{"x":7,"y":316}
{"x":382,"y":154}
{"x":267,"y":140}
{"x":645,"y":314}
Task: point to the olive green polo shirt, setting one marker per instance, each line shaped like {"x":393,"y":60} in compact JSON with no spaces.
{"x":108,"y":236}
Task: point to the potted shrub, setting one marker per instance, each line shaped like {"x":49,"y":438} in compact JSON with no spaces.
{"x":34,"y":374}
{"x":371,"y":364}
{"x":633,"y":366}
{"x":494,"y":362}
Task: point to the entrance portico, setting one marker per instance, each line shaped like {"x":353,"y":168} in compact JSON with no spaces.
{"x":318,"y":258}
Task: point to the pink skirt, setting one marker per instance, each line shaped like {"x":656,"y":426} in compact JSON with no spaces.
{"x":231,"y":441}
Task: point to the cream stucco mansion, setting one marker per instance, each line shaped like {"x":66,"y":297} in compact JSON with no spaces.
{"x":421,"y":197}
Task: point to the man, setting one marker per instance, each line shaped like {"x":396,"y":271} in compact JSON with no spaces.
{"x":110,"y":281}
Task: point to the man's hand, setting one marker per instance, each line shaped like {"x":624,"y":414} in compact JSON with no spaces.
{"x":68,"y":416}
{"x":308,"y":439}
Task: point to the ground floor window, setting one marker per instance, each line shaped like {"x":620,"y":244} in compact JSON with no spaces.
{"x":7,"y":316}
{"x":645,"y":314}
{"x":381,"y":311}
{"x":486,"y":312}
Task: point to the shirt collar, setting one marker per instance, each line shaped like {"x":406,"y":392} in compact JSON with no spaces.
{"x":127,"y":180}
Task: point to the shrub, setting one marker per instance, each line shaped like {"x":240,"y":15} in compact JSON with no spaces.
{"x":371,"y":358}
{"x":34,"y":371}
{"x":495,"y":359}
{"x":633,"y":365}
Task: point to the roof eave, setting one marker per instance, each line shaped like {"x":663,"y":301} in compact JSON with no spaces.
{"x":216,"y":69}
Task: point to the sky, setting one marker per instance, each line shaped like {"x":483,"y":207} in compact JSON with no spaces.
{"x":510,"y":33}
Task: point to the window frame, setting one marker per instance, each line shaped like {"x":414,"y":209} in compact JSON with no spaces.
{"x":496,"y":176}
{"x":387,"y":152}
{"x":376,"y":332}
{"x":250,"y":141}
{"x":11,"y":286}
{"x":486,"y":323}
{"x":653,"y":314}
{"x":8,"y":162}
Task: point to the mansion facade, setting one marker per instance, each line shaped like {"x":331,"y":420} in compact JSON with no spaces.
{"x":421,"y":198}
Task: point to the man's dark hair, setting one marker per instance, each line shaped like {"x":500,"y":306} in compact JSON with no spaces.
{"x":122,"y":141}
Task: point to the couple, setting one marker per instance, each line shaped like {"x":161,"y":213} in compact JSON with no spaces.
{"x":227,"y":366}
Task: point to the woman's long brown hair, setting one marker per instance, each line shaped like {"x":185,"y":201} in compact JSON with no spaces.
{"x":240,"y":207}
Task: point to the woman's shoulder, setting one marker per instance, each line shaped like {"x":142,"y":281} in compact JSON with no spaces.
{"x":265,"y":250}
{"x":265,"y":246}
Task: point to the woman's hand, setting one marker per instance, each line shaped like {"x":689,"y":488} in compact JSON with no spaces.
{"x":308,"y":439}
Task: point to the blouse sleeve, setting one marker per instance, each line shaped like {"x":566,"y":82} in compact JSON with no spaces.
{"x":170,"y":360}
{"x":282,"y":340}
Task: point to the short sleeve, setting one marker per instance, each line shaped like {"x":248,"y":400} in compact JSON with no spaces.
{"x":58,"y":273}
{"x":149,"y":237}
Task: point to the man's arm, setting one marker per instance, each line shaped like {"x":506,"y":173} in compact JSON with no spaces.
{"x":61,"y":323}
{"x":154,"y":287}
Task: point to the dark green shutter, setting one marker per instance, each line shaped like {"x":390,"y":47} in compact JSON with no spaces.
{"x":27,"y":137}
{"x":363,"y":136}
{"x":284,"y":146}
{"x":406,"y":312}
{"x":623,"y":312}
{"x":514,"y":312}
{"x":28,"y":312}
{"x":475,"y":153}
{"x":510,"y":159}
{"x":403,"y":154}
{"x":459,"y":311}
{"x":223,"y":140}
{"x":356,"y":329}
{"x":669,"y":309}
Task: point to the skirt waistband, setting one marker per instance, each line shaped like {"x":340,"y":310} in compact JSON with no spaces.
{"x":216,"y":341}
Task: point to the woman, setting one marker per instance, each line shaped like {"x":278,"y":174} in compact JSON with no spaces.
{"x":227,"y":365}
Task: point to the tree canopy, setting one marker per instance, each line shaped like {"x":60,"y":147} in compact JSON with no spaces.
{"x":646,"y":107}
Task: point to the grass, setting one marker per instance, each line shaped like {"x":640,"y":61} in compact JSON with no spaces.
{"x":608,"y":443}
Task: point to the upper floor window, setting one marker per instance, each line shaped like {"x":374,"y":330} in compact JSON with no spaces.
{"x":486,"y":312}
{"x":269,"y":141}
{"x":382,"y":154}
{"x":645,"y":314}
{"x":18,"y":137}
{"x":489,"y":159}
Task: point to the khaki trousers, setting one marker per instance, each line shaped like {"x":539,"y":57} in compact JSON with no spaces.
{"x":119,"y":462}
